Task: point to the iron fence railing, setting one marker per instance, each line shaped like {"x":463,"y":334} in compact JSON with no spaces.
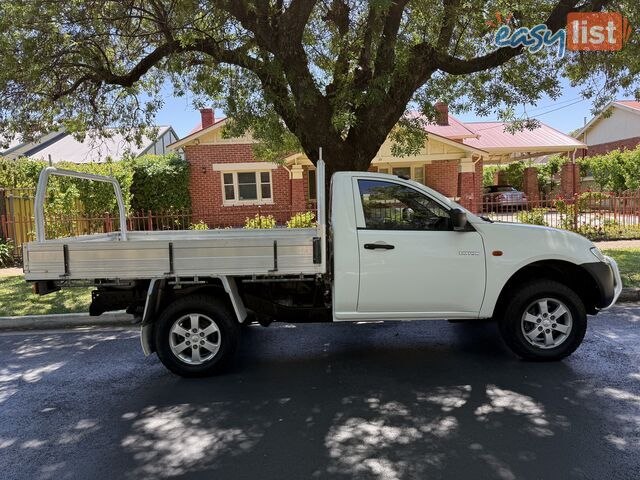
{"x":597,"y":215}
{"x":19,"y":226}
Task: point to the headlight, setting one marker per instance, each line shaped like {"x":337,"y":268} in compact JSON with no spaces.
{"x":598,"y":254}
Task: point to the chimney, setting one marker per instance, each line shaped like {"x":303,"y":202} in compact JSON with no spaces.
{"x":442,"y":113}
{"x":208,"y":117}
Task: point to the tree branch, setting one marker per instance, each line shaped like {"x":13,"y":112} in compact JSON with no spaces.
{"x":555,"y":21}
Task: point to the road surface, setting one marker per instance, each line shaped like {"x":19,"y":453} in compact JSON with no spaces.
{"x":389,"y":400}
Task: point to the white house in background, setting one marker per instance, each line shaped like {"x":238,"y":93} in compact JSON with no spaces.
{"x":620,"y":129}
{"x":63,"y":147}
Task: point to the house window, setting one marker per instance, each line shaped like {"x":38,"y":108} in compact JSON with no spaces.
{"x":246,"y":187}
{"x":311,"y":175}
{"x":418,"y":174}
{"x":413,"y":172}
{"x":402,"y":171}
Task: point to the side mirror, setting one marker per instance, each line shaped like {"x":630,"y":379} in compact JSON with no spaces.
{"x":458,"y":219}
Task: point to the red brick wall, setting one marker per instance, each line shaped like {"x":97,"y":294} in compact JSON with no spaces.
{"x":500,"y":178}
{"x":466,"y":190}
{"x":442,"y":176}
{"x":569,"y":178}
{"x":470,"y":188}
{"x":626,"y":144}
{"x":205,"y":186}
{"x":531,"y":185}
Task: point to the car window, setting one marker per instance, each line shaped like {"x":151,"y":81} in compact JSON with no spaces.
{"x":391,"y":206}
{"x":506,"y":188}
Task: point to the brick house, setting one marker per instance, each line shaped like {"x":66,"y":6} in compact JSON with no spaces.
{"x":617,"y":127}
{"x":228,"y":184}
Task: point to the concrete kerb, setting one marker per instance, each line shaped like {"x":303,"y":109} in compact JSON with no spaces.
{"x":65,"y":320}
{"x":72,"y":320}
{"x":630,"y":295}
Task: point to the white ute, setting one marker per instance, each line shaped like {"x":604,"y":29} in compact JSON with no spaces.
{"x":392,"y":250}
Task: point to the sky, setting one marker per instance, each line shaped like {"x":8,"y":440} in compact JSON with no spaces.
{"x":567,"y":113}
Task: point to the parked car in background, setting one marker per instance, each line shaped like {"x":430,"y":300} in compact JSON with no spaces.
{"x":503,"y":197}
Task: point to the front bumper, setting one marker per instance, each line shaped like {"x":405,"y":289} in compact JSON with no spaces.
{"x":617,"y":281}
{"x":606,"y":275}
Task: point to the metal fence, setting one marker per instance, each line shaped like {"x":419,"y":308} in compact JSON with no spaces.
{"x":597,"y":215}
{"x":17,"y":222}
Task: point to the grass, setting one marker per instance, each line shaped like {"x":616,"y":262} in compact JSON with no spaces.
{"x":629,"y":263}
{"x":17,"y":298}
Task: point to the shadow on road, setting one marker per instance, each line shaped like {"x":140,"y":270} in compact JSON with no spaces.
{"x":393,"y":400}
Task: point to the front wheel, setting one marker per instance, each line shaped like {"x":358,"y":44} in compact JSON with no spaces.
{"x":196,"y":336}
{"x":544,"y":320}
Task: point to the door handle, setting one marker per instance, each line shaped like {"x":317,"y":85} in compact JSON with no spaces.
{"x":382,"y":246}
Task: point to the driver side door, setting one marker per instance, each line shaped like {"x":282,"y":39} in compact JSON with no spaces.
{"x":412,"y":263}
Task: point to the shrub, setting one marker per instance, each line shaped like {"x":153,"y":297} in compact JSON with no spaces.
{"x":535,"y":216}
{"x":302,"y":220}
{"x":6,"y":253}
{"x":152,"y":182}
{"x":260,"y":221}
{"x":567,"y":214}
{"x":160,"y":182}
{"x":199,"y":226}
{"x":589,"y":200}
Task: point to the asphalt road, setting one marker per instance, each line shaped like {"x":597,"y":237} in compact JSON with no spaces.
{"x":390,"y":400}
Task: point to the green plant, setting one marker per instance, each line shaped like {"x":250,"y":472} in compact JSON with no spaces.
{"x":6,"y":253}
{"x":535,"y":216}
{"x":615,"y":171}
{"x":199,"y":226}
{"x":567,"y":214}
{"x":548,"y":171}
{"x":488,"y":174}
{"x":159,"y":182}
{"x":302,"y":220}
{"x":589,"y":200}
{"x":260,"y":221}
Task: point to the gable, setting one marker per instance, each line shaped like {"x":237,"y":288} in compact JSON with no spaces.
{"x":621,"y":124}
{"x":435,"y":148}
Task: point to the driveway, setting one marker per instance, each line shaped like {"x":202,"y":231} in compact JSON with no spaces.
{"x":390,"y":400}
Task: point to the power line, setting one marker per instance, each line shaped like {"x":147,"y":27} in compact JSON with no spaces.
{"x":559,"y":108}
{"x":554,"y":105}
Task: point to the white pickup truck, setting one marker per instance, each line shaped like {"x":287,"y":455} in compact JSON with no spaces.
{"x":392,"y":250}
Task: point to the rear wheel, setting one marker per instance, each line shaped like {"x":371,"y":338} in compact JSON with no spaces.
{"x":544,"y":320}
{"x":196,"y":336}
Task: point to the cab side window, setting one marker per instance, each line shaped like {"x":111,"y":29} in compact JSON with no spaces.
{"x":391,"y":206}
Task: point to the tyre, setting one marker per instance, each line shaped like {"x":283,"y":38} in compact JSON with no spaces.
{"x":544,"y":320}
{"x":196,"y":336}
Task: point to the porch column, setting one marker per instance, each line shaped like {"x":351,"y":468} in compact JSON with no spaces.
{"x":298,"y":198}
{"x":467,"y":185}
{"x":530,"y":184}
{"x":569,"y":179}
{"x":500,"y":178}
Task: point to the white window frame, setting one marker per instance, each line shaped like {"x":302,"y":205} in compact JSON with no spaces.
{"x":390,"y":166}
{"x":235,"y":200}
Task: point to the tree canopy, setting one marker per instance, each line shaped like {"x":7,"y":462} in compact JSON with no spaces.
{"x":337,"y":74}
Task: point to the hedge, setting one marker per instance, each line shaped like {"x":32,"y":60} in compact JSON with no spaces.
{"x":150,"y":182}
{"x":160,"y":183}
